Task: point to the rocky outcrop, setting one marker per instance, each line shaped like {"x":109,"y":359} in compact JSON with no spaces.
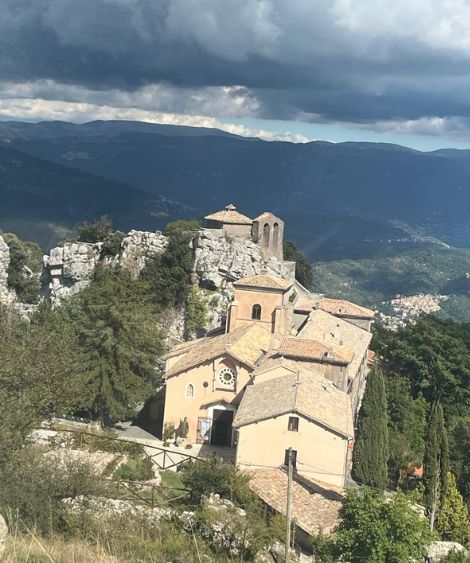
{"x":7,"y":296}
{"x":3,"y":536}
{"x":220,"y":260}
{"x":70,"y":268}
{"x":440,"y":549}
{"x":137,"y":246}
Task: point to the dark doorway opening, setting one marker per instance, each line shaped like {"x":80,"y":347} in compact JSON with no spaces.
{"x":221,"y":434}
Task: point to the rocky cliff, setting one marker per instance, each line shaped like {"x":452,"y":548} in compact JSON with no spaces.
{"x":218,"y":261}
{"x":70,"y":267}
{"x":7,"y":296}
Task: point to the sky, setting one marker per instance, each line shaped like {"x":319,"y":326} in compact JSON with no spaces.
{"x":296,"y":70}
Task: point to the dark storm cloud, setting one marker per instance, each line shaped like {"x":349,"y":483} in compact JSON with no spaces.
{"x":363,"y":61}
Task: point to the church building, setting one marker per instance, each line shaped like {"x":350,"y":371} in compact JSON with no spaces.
{"x":288,"y":371}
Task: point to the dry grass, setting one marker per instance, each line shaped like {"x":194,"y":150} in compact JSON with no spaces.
{"x":29,"y":548}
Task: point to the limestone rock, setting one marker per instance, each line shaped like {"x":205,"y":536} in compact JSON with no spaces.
{"x":4,"y":263}
{"x":3,"y":536}
{"x":439,"y":549}
{"x":220,"y":260}
{"x":7,"y":296}
{"x":70,"y":268}
{"x":137,"y":246}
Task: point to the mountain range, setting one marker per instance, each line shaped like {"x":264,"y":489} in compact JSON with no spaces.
{"x":344,"y":200}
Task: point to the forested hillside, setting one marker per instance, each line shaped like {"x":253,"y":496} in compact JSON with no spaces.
{"x":431,"y":270}
{"x":345,"y":200}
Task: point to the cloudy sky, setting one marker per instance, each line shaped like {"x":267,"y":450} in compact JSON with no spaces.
{"x":378,"y":70}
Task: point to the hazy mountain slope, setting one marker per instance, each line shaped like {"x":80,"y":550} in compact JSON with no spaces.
{"x":41,"y":200}
{"x":371,"y":183}
{"x":430,"y":270}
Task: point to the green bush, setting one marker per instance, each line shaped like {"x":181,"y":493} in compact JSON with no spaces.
{"x":214,"y":476}
{"x":112,"y":244}
{"x":456,"y":557}
{"x":33,"y":485}
{"x":95,"y":231}
{"x":25,"y":268}
{"x":97,"y":440}
{"x":135,"y":469}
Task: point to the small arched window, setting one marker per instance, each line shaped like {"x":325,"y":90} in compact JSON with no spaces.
{"x":189,"y":392}
{"x":256,"y":312}
{"x":266,"y":234}
{"x":275,"y":234}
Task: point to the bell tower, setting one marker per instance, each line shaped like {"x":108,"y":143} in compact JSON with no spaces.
{"x":263,"y":299}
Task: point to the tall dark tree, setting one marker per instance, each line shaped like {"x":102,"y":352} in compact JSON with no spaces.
{"x":436,"y":463}
{"x":370,"y":454}
{"x":118,"y":330}
{"x":169,"y":274}
{"x":303,"y":270}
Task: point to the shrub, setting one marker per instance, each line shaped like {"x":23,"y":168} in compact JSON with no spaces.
{"x":25,"y":268}
{"x":33,"y":485}
{"x":456,"y":557}
{"x":214,"y":476}
{"x":195,"y":312}
{"x":97,"y":440}
{"x":112,"y":244}
{"x":136,"y":469}
{"x":95,"y":231}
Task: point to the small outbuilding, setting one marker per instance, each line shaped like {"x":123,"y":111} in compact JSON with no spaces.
{"x":230,"y":222}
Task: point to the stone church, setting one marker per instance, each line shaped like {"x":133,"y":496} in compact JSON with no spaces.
{"x":288,"y":370}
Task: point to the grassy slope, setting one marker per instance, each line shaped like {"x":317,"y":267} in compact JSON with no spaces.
{"x":370,"y":281}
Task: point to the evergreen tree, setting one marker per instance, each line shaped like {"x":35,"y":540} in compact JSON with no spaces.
{"x":375,"y":530}
{"x":436,"y":461}
{"x":168,"y":275}
{"x":370,"y":454}
{"x":303,"y":269}
{"x":117,"y":329}
{"x":42,"y":372}
{"x":452,"y":519}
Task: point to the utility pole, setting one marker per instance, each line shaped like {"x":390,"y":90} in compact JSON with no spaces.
{"x":289,"y":503}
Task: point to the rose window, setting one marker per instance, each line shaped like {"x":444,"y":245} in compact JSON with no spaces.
{"x":227,"y":377}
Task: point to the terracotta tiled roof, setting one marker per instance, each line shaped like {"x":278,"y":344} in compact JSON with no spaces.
{"x":314,"y":350}
{"x":264,"y":281}
{"x":315,"y":505}
{"x":266,"y":215}
{"x":245,"y":344}
{"x":306,"y":393}
{"x":344,"y":308}
{"x":303,"y":303}
{"x":331,"y":331}
{"x":230,"y":215}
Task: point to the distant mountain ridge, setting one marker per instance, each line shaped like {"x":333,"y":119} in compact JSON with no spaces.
{"x":43,"y":201}
{"x":344,"y":200}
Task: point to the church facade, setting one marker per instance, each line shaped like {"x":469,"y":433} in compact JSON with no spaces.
{"x":288,"y":371}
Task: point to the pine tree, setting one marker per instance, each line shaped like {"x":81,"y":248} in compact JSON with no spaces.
{"x":370,"y":454}
{"x":452,"y":519}
{"x":436,"y":462}
{"x":117,"y":329}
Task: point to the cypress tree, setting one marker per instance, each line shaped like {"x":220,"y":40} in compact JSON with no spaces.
{"x":436,"y":463}
{"x":370,"y":454}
